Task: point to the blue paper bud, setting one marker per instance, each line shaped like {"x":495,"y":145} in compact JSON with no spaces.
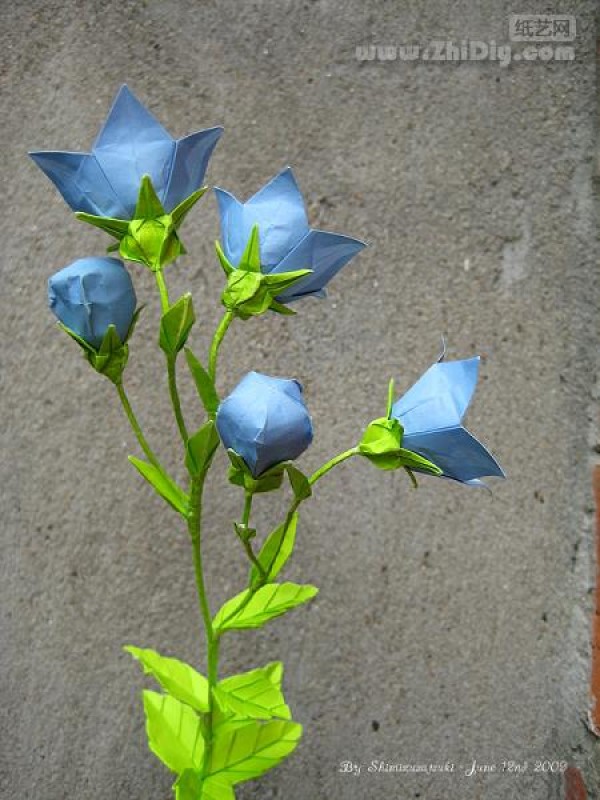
{"x":91,"y":294}
{"x":265,"y":421}
{"x":287,"y":243}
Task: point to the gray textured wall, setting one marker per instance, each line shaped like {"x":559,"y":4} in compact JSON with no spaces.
{"x":451,"y":625}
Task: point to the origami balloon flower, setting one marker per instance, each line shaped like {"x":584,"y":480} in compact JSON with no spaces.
{"x":131,"y":144}
{"x":431,"y":414}
{"x":265,"y":421}
{"x":287,"y":244}
{"x":91,"y":294}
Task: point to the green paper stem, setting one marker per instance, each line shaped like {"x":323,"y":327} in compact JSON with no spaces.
{"x":175,"y":401}
{"x":249,"y":497}
{"x":212,"y":641}
{"x":353,"y":451}
{"x":162,"y":288}
{"x":226,"y":321}
{"x":171,"y":368}
{"x":136,"y":426}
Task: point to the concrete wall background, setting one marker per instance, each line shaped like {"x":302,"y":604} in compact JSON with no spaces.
{"x":451,"y":625}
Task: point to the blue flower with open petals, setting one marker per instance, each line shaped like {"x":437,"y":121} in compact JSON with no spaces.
{"x":131,"y":144}
{"x":431,"y":413}
{"x":265,"y":421}
{"x":287,"y":243}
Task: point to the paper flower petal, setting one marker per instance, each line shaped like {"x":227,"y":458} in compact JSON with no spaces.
{"x":439,"y":399}
{"x":455,"y":451}
{"x":192,"y":154}
{"x":324,"y":253}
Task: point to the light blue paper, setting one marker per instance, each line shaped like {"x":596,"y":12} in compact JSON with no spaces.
{"x":431,"y":413}
{"x":131,"y":144}
{"x":287,"y":243}
{"x":91,"y":294}
{"x":265,"y":420}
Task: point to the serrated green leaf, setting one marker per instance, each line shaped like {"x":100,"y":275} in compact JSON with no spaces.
{"x":163,"y":484}
{"x":191,"y":786}
{"x":241,"y":753}
{"x":176,"y":677}
{"x":201,"y":448}
{"x":148,"y":204}
{"x":204,"y":383}
{"x":251,"y":609}
{"x":256,"y":694}
{"x":299,"y":482}
{"x":174,"y":732}
{"x":176,"y":324}
{"x":276,"y":550}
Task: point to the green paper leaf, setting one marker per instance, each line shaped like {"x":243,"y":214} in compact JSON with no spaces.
{"x":191,"y":786}
{"x":275,"y":552}
{"x":299,"y":482}
{"x":116,"y":227}
{"x":241,"y":753}
{"x":226,"y":265}
{"x":256,"y":694}
{"x":176,"y":324}
{"x":148,"y":204}
{"x":281,"y":308}
{"x":180,"y":212}
{"x":174,"y":732}
{"x":177,"y":678}
{"x":201,"y":448}
{"x":278,"y":281}
{"x":163,"y":484}
{"x":412,"y":460}
{"x":251,"y":609}
{"x":240,"y":475}
{"x":204,"y":384}
{"x":250,"y":260}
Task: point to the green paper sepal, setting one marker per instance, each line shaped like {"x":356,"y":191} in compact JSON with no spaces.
{"x":249,"y":292}
{"x":176,"y":324}
{"x":150,"y":237}
{"x":240,"y":475}
{"x":110,"y":359}
{"x":200,"y":449}
{"x":244,"y":532}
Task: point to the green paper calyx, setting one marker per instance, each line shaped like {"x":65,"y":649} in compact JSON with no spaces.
{"x":382,"y":445}
{"x":110,"y":359}
{"x":150,"y":237}
{"x":249,"y":292}
{"x":240,"y":475}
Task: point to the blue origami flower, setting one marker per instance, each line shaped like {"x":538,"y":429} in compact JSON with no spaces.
{"x":431,"y":414}
{"x":286,"y":241}
{"x":91,"y":294}
{"x":131,"y":144}
{"x":265,"y":421}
